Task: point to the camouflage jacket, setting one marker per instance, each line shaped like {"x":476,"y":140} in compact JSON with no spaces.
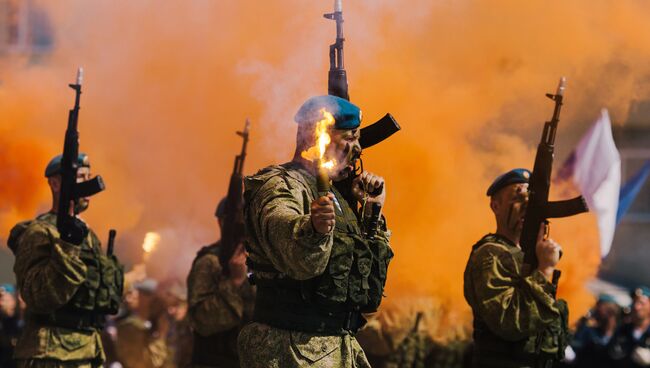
{"x":216,"y":308}
{"x":138,"y":347}
{"x":281,"y":234}
{"x":515,"y":314}
{"x":49,"y":271}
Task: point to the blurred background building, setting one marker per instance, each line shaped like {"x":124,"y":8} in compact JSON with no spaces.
{"x":25,"y":28}
{"x":628,"y":263}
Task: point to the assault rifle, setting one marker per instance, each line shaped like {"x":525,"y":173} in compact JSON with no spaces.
{"x":539,"y":208}
{"x":232,"y":229}
{"x":71,"y":191}
{"x":337,"y":84}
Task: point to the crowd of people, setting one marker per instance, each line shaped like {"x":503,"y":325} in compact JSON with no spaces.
{"x":153,"y":330}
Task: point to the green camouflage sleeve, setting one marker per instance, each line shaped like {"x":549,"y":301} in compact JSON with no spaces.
{"x":282,"y":227}
{"x":215,"y":304}
{"x":48,"y":270}
{"x":513,"y":305}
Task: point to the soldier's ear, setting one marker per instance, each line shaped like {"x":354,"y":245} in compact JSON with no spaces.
{"x":494,"y":204}
{"x":54,"y":183}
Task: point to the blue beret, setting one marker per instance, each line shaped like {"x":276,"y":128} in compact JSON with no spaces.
{"x":9,"y":288}
{"x":346,"y":115}
{"x":516,"y":176}
{"x":147,"y":285}
{"x":606,"y":298}
{"x":54,"y":167}
{"x":640,"y":291}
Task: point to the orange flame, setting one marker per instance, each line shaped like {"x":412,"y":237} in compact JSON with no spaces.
{"x":151,"y":240}
{"x":323,"y":139}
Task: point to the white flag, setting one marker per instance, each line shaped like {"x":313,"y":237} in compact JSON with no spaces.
{"x":597,"y":172}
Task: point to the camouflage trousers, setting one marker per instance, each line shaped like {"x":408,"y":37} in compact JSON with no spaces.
{"x":262,"y":346}
{"x":53,"y":363}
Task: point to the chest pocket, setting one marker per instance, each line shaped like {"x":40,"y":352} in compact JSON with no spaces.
{"x":86,"y":295}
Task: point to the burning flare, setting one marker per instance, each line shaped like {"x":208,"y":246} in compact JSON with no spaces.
{"x":323,"y":139}
{"x":151,"y":240}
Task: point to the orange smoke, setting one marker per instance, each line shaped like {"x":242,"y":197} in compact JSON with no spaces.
{"x":168,"y":82}
{"x":18,"y":196}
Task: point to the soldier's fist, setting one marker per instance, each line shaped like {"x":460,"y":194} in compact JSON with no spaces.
{"x":548,"y":252}
{"x":322,"y":214}
{"x":237,"y":266}
{"x":369,"y":186}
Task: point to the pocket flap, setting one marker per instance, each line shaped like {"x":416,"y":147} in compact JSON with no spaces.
{"x":70,"y":341}
{"x":314,"y":348}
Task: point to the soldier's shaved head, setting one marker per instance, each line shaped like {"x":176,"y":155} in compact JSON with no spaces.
{"x":509,"y":207}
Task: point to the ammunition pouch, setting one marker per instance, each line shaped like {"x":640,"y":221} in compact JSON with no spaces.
{"x":111,"y":286}
{"x":101,"y":292}
{"x":285,"y":308}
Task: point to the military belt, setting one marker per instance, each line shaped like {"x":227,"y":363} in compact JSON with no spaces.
{"x":492,"y":351}
{"x":74,"y":320}
{"x":214,"y":350}
{"x":273,"y":309}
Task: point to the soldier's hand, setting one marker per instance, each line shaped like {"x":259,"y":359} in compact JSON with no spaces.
{"x":237,"y":266}
{"x":369,"y":186}
{"x":322,"y":214}
{"x":641,"y":356}
{"x":548,"y":252}
{"x":72,"y":230}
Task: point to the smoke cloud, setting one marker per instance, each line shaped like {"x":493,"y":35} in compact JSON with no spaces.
{"x":168,"y":84}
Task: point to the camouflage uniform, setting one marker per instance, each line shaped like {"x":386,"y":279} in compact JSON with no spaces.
{"x":311,"y":287}
{"x":517,"y":321}
{"x":68,"y":290}
{"x":217,"y":310}
{"x":137,"y":347}
{"x":623,"y":344}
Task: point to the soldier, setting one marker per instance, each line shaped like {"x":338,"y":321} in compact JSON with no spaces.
{"x":517,"y":320}
{"x":315,"y":270}
{"x":68,"y":285}
{"x":10,"y":324}
{"x":179,"y":337}
{"x":219,"y":304}
{"x":594,"y":332}
{"x":630,"y":346}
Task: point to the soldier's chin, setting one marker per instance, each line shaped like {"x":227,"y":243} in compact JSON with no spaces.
{"x":81,"y":205}
{"x":342,"y":174}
